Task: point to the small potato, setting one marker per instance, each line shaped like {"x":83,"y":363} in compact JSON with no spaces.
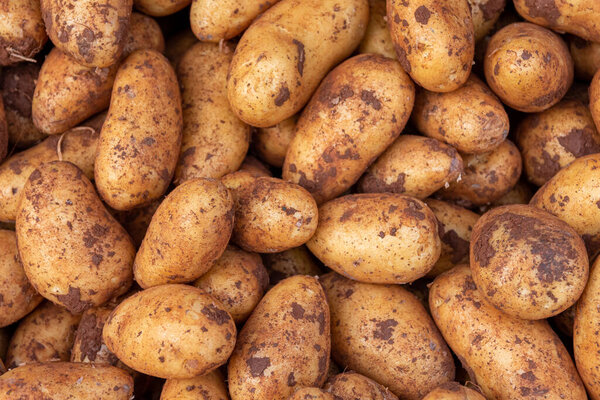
{"x":471,"y":118}
{"x":453,"y":391}
{"x":160,"y":8}
{"x":144,"y":33}
{"x":140,"y":139}
{"x":486,"y":177}
{"x":284,"y":344}
{"x":348,"y":385}
{"x":271,"y":143}
{"x":521,"y":193}
{"x":311,"y":393}
{"x":555,"y":137}
{"x":47,"y":334}
{"x":66,"y":381}
{"x":214,"y":140}
{"x":412,"y":165}
{"x":377,"y":38}
{"x":22,"y":31}
{"x":208,"y":387}
{"x":136,"y":221}
{"x":359,"y":109}
{"x":170,"y":331}
{"x":88,"y":345}
{"x":586,"y":57}
{"x":238,"y":279}
{"x":284,"y":54}
{"x":383,"y":332}
{"x":296,"y":261}
{"x":485,"y":13}
{"x":178,"y":44}
{"x":595,"y":98}
{"x":377,"y":238}
{"x":506,"y":357}
{"x":434,"y":41}
{"x":72,"y":250}
{"x":528,"y":67}
{"x":253,"y":166}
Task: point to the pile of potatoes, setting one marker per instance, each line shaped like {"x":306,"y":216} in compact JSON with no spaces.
{"x":299,"y":199}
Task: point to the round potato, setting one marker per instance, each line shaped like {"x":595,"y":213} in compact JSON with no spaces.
{"x":377,"y":38}
{"x":377,"y":238}
{"x":453,"y":391}
{"x":485,"y":13}
{"x":144,"y":33}
{"x":296,"y":261}
{"x":88,"y":345}
{"x":595,"y":98}
{"x":160,"y":8}
{"x":209,"y":387}
{"x":348,"y":385}
{"x":22,"y":32}
{"x":271,"y":143}
{"x":586,"y":57}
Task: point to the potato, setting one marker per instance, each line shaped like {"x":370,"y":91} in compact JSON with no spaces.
{"x":528,"y":67}
{"x":214,"y":141}
{"x":412,"y":165}
{"x":485,"y":13}
{"x":271,"y":143}
{"x":521,"y":193}
{"x":22,"y":32}
{"x":72,"y":250}
{"x":266,"y":78}
{"x":377,"y":238}
{"x":178,"y":44}
{"x":586,"y":57}
{"x":595,"y":98}
{"x":348,"y":385}
{"x":553,"y":138}
{"x":434,"y":41}
{"x":311,"y":393}
{"x":455,"y":225}
{"x":91,"y":33}
{"x":255,"y":167}
{"x":296,"y":261}
{"x":486,"y":177}
{"x":140,"y":139}
{"x":471,"y":118}
{"x":144,"y":33}
{"x":384,"y":332}
{"x":359,"y":109}
{"x":284,"y":344}
{"x":453,"y":391}
{"x":209,"y":387}
{"x":65,"y":381}
{"x":377,"y":38}
{"x":506,"y":357}
{"x":46,"y":334}
{"x":88,"y":345}
{"x":171,"y":331}
{"x":188,"y":233}
{"x":136,"y":221}
{"x":160,"y":8}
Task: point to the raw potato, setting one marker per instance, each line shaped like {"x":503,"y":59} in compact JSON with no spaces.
{"x":214,"y":140}
{"x":349,"y":385}
{"x":377,"y":38}
{"x":311,"y":393}
{"x":73,"y":251}
{"x":22,"y":31}
{"x":160,"y":8}
{"x":283,"y":55}
{"x":528,"y":67}
{"x":359,"y":109}
{"x":413,"y":165}
{"x":284,"y":344}
{"x":296,"y":261}
{"x":521,"y":193}
{"x":271,"y":143}
{"x":471,"y":118}
{"x":171,"y":331}
{"x":144,"y":33}
{"x":66,"y":381}
{"x":595,"y":98}
{"x":506,"y":357}
{"x":485,"y":13}
{"x":88,"y":345}
{"x":434,"y":41}
{"x":383,"y":332}
{"x":377,"y":238}
{"x":136,"y":221}
{"x":207,"y":387}
{"x":256,"y":168}
{"x":453,"y":391}
{"x":586,"y":57}
{"x":140,"y":139}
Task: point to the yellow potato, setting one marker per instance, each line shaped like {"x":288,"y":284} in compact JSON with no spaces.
{"x":453,"y":391}
{"x":208,"y":387}
{"x":377,"y":38}
{"x":296,"y":261}
{"x":271,"y":143}
{"x":595,"y":98}
{"x":88,"y":345}
{"x":144,"y":33}
{"x":348,"y":385}
{"x":485,"y":13}
{"x":311,"y":393}
{"x":22,"y":31}
{"x":586,"y":57}
{"x":160,"y":8}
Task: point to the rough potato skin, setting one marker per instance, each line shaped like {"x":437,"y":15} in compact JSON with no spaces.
{"x":271,"y":143}
{"x":595,"y":98}
{"x":528,"y":67}
{"x":144,"y":33}
{"x":22,"y":31}
{"x":160,"y":8}
{"x":206,"y":387}
{"x":384,"y":333}
{"x":359,"y":109}
{"x":434,"y":41}
{"x":66,"y":381}
{"x":88,"y":345}
{"x":506,"y":357}
{"x":586,"y":57}
{"x":284,"y":54}
{"x":377,"y":238}
{"x":377,"y":38}
{"x":453,"y":391}
{"x":485,"y":13}
{"x":284,"y":344}
{"x":296,"y":261}
{"x":350,"y":386}
{"x":73,"y":251}
{"x":311,"y":393}
{"x":214,"y":140}
{"x":140,"y":139}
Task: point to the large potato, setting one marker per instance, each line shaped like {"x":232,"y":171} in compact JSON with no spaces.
{"x":88,"y":345}
{"x":485,"y":13}
{"x":359,"y":109}
{"x":22,"y":31}
{"x":349,"y":385}
{"x":207,"y":387}
{"x":383,"y":332}
{"x":283,"y":55}
{"x":160,"y":8}
{"x":296,"y":261}
{"x":271,"y":143}
{"x":453,"y":391}
{"x":586,"y":57}
{"x":377,"y":38}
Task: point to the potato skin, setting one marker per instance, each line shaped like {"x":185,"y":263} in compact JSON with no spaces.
{"x":160,"y":8}
{"x":73,"y":251}
{"x":140,"y":139}
{"x":365,"y":237}
{"x":453,"y":391}
{"x":296,"y":261}
{"x":284,"y":344}
{"x":595,"y":98}
{"x":311,"y":393}
{"x":485,"y":13}
{"x":377,"y":38}
{"x":359,"y":109}
{"x":348,"y":385}
{"x":586,"y":57}
{"x":378,"y":330}
{"x":207,"y":387}
{"x":22,"y":33}
{"x":144,"y":33}
{"x":137,"y":220}
{"x":434,"y":41}
{"x":271,"y":144}
{"x":536,"y":365}
{"x":88,"y":345}
{"x":281,"y":59}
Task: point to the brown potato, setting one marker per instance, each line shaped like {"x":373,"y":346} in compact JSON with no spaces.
{"x":160,"y":8}
{"x":311,"y":393}
{"x":383,"y":332}
{"x":144,"y":33}
{"x":359,"y":109}
{"x":88,"y":345}
{"x":595,"y":98}
{"x":453,"y":391}
{"x":271,"y":143}
{"x":485,"y":13}
{"x":586,"y":57}
{"x":521,"y":193}
{"x":253,"y":166}
{"x":348,"y":385}
{"x":377,"y":38}
{"x":22,"y":32}
{"x":136,"y":221}
{"x":296,"y":261}
{"x":178,"y":44}
{"x":208,"y":387}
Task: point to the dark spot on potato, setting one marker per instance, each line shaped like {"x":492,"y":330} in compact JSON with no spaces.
{"x":291,"y":381}
{"x":525,"y":55}
{"x":548,"y":167}
{"x":385,"y":329}
{"x":402,"y":58}
{"x":422,"y":15}
{"x":413,"y":210}
{"x":492,"y":8}
{"x":89,"y":335}
{"x":368,"y":96}
{"x":580,"y":142}
{"x":72,"y":301}
{"x":258,"y":365}
{"x":460,"y":247}
{"x":297,"y":311}
{"x":282,"y":96}
{"x":289,"y":210}
{"x":301,"y":56}
{"x":149,"y":141}
{"x":545,"y":9}
{"x":215,"y":314}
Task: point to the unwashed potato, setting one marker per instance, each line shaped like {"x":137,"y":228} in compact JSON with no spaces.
{"x":3,"y":132}
{"x":377,"y":238}
{"x":359,"y":109}
{"x":311,"y":393}
{"x":284,"y":344}
{"x":434,"y":41}
{"x":22,"y":31}
{"x":255,"y":167}
{"x":66,"y":381}
{"x":351,"y":386}
{"x":586,"y":57}
{"x":271,"y":143}
{"x":296,"y":261}
{"x":471,"y":118}
{"x":413,"y":165}
{"x":160,"y":8}
{"x":485,"y":13}
{"x":521,"y":193}
{"x":73,"y":251}
{"x":595,"y":98}
{"x":214,"y":140}
{"x":207,"y":387}
{"x":506,"y":357}
{"x":136,"y":221}
{"x":283,"y":55}
{"x":144,"y":33}
{"x":453,"y":391}
{"x":377,"y":38}
{"x":383,"y":332}
{"x":88,"y":345}
{"x":528,"y":67}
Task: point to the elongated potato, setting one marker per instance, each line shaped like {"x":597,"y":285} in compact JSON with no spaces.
{"x":485,"y":13}
{"x":271,"y":143}
{"x":22,"y":31}
{"x":296,"y":261}
{"x":283,"y":55}
{"x":359,"y":109}
{"x":160,"y":8}
{"x":140,"y":139}
{"x":586,"y":57}
{"x":377,"y":38}
{"x":209,"y":387}
{"x":88,"y":345}
{"x":453,"y":391}
{"x":348,"y":385}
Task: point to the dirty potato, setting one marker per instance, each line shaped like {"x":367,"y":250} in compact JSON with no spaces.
{"x":586,"y":57}
{"x":595,"y":98}
{"x":485,"y":13}
{"x":144,"y":33}
{"x":453,"y":391}
{"x":377,"y":38}
{"x":22,"y":31}
{"x":311,"y":393}
{"x":209,"y":387}
{"x":88,"y":345}
{"x":296,"y":261}
{"x":271,"y":143}
{"x":348,"y":385}
{"x":160,"y":8}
